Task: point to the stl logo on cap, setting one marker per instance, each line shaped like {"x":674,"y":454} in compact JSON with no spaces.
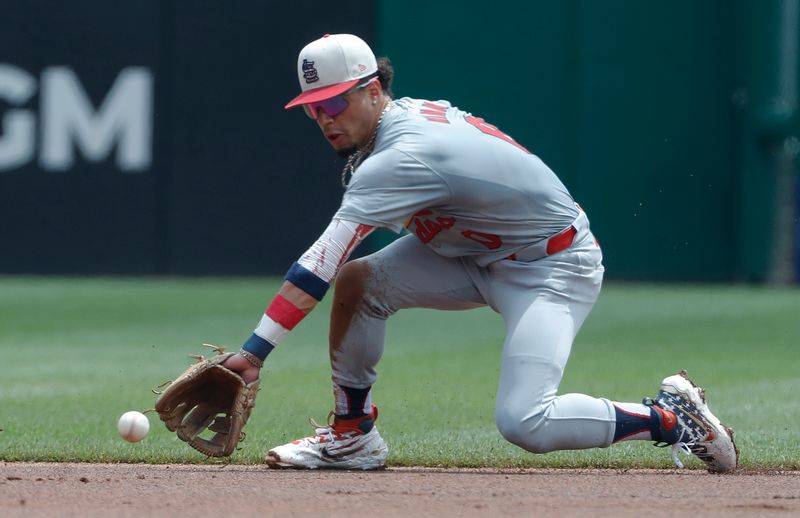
{"x":331,"y":65}
{"x":309,"y":72}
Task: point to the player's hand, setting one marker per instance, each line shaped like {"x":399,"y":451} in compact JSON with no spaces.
{"x":239,"y":364}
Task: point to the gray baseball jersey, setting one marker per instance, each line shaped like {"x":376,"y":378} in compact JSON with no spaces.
{"x":458,"y":183}
{"x":474,"y":196}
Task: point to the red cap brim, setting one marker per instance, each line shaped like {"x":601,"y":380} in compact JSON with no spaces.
{"x":320,"y":94}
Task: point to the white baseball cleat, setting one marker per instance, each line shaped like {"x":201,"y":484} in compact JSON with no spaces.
{"x":689,"y":426}
{"x":342,"y":445}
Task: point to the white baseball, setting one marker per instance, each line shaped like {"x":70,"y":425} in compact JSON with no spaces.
{"x":133,"y":426}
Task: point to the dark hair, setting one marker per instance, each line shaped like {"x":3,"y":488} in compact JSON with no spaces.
{"x":386,"y":75}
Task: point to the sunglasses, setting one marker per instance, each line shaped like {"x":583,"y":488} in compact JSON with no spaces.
{"x":335,"y":105}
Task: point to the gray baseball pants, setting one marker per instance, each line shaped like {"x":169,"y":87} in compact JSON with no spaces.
{"x":543,"y":304}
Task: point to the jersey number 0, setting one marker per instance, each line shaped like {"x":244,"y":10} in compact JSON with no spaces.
{"x":489,"y":129}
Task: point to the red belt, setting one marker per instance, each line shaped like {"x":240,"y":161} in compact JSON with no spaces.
{"x":555,"y":244}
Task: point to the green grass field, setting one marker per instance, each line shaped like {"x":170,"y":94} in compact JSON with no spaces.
{"x":77,"y":353}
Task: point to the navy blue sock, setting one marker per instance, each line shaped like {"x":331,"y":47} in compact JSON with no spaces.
{"x":355,"y":398}
{"x":629,"y":424}
{"x":663,"y":425}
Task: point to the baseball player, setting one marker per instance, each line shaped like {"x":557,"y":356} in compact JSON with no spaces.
{"x":488,"y":224}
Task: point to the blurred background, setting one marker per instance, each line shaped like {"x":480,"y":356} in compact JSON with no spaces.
{"x":149,"y":137}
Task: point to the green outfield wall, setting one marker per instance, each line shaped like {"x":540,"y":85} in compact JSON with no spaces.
{"x":649,"y":112}
{"x":149,"y":137}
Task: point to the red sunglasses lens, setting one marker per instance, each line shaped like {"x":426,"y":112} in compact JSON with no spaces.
{"x":332,"y":107}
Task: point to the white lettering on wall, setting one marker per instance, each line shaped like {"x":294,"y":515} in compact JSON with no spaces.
{"x":69,"y":123}
{"x":18,"y":141}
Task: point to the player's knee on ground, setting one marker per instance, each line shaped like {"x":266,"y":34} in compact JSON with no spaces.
{"x":523,"y":428}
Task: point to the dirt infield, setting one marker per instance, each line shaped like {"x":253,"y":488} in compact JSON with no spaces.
{"x":43,"y":489}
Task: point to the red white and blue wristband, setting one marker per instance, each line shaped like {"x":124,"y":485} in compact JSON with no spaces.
{"x":282,"y":316}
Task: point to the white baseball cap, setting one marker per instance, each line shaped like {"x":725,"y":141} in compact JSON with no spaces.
{"x":332,"y":65}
